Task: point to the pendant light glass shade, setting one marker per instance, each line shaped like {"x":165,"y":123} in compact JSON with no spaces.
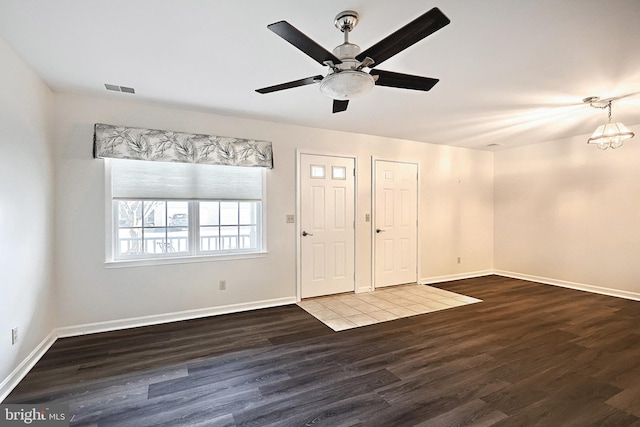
{"x":612,"y":134}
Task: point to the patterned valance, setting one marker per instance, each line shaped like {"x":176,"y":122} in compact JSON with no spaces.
{"x":165,"y":146}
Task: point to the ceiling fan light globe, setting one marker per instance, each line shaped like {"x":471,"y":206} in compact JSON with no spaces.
{"x":345,"y":85}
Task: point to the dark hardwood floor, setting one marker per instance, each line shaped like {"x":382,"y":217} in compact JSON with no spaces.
{"x":530,"y":354}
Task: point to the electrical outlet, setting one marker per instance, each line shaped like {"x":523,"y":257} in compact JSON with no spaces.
{"x":14,"y":336}
{"x":367,"y":217}
{"x":291,"y":219}
{"x":223,"y":285}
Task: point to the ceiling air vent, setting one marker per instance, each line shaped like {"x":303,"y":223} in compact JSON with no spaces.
{"x":117,"y":88}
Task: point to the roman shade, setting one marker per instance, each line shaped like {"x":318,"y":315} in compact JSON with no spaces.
{"x":121,"y":142}
{"x":132,"y":179}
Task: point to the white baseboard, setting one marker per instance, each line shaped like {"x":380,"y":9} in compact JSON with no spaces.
{"x":135,"y":322}
{"x":571,"y":285}
{"x":19,"y":373}
{"x":452,"y":277}
{"x":23,"y":368}
{"x":362,"y":289}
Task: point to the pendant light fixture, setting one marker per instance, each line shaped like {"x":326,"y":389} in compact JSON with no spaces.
{"x":611,"y":134}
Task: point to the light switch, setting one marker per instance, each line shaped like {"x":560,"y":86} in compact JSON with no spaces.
{"x":290,"y":219}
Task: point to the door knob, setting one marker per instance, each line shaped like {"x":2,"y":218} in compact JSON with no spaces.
{"x":379,"y":230}
{"x":304,"y":233}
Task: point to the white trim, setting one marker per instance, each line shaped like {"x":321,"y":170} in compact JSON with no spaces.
{"x":457,"y":276}
{"x":26,"y":365}
{"x":571,"y":285}
{"x":157,"y":319}
{"x":418,"y":221}
{"x":299,"y":154}
{"x":109,"y":225}
{"x":263,"y":212}
{"x":150,"y":262}
{"x":355,"y":224}
{"x":372,"y":226}
{"x":298,"y":241}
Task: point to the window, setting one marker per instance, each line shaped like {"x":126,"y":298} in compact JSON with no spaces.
{"x":175,"y":210}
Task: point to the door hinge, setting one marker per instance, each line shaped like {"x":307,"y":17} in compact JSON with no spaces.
{"x":354,"y":171}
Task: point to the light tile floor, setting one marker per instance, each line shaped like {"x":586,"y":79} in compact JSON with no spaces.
{"x":346,"y":311}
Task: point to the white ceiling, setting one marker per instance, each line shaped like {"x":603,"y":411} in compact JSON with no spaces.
{"x":511,"y":72}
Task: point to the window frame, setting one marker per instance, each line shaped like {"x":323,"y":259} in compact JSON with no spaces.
{"x":193,"y":235}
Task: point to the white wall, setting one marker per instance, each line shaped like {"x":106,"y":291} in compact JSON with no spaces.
{"x":456,"y":213}
{"x":569,"y":212}
{"x":27,"y":298}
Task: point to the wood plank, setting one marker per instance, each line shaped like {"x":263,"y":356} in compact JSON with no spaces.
{"x":529,"y":354}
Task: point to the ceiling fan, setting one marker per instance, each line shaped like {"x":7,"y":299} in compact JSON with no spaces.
{"x":346,"y":78}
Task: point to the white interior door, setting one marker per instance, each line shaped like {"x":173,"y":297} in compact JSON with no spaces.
{"x":396,"y":223}
{"x":327,"y":222}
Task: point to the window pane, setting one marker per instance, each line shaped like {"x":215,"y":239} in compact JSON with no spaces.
{"x":129,"y":241}
{"x":128,"y":211}
{"x":248,"y":238}
{"x":338,"y":172}
{"x":177,"y":215}
{"x":248,"y":213}
{"x":152,"y":210}
{"x":209,"y":239}
{"x":177,"y":240}
{"x":209,"y":213}
{"x":229,"y":213}
{"x":154,"y":242}
{"x":317,"y":171}
{"x":228,"y":238}
{"x":129,"y":234}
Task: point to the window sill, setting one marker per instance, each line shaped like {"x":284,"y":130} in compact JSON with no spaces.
{"x":124,"y":263}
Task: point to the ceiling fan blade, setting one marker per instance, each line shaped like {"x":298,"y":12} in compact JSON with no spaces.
{"x":289,"y":85}
{"x":302,"y":42}
{"x":404,"y":81}
{"x":406,"y":36}
{"x":339,"y":106}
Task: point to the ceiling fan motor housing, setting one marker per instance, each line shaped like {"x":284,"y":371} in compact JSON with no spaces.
{"x":347,"y":53}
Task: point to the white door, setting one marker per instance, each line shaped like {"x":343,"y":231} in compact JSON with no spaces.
{"x":327,"y":216}
{"x":396,"y":225}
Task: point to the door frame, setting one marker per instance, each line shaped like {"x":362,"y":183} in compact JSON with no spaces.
{"x":298,"y":219}
{"x":374,"y":159}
